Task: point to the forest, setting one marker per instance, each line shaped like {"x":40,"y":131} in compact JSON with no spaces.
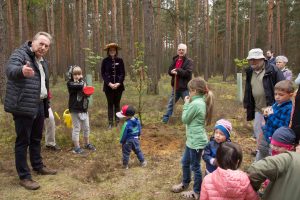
{"x":215,"y":31}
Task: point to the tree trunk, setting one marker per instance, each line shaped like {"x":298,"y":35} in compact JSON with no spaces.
{"x":106,"y":37}
{"x":85,"y":41}
{"x":270,"y":23}
{"x":227,"y":40}
{"x":11,"y":26}
{"x":131,"y":36}
{"x":122,"y":40}
{"x":53,"y":45}
{"x":150,"y":44}
{"x":253,"y":24}
{"x":63,"y":55}
{"x":2,"y":53}
{"x":20,"y":9}
{"x":159,"y":45}
{"x":25,"y":22}
{"x":206,"y":69}
{"x":197,"y":39}
{"x":242,"y":55}
{"x":236,"y":29}
{"x":283,"y":33}
{"x":114,"y":20}
{"x":278,"y":28}
{"x":177,"y":30}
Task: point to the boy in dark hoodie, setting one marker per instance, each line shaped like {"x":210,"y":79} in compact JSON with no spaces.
{"x":131,"y":130}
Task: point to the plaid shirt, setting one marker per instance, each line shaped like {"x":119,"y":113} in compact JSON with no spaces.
{"x":281,"y":117}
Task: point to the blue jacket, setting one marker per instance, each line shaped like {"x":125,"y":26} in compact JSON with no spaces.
{"x":131,"y":129}
{"x":281,"y":117}
{"x":210,"y":152}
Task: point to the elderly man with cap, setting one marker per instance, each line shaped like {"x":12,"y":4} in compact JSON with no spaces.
{"x":181,"y":73}
{"x":113,"y":74}
{"x":261,"y":78}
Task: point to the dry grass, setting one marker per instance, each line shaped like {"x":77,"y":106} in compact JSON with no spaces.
{"x":99,"y":175}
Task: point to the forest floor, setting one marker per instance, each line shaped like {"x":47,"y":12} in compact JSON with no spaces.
{"x":99,"y":175}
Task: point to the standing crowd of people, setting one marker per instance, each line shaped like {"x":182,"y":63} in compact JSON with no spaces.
{"x":270,"y":101}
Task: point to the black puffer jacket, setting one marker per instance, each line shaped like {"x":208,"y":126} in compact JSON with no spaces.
{"x":271,"y":77}
{"x":23,"y":94}
{"x":184,"y":73}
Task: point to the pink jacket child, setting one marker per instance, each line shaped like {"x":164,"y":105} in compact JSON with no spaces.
{"x":227,"y":182}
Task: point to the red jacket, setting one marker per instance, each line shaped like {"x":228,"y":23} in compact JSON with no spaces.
{"x":227,"y":185}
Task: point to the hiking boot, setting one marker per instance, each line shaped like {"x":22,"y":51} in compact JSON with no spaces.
{"x":29,"y":184}
{"x":78,"y":150}
{"x":144,"y":164}
{"x":90,"y":147}
{"x":53,"y":148}
{"x":46,"y":171}
{"x":109,"y":126}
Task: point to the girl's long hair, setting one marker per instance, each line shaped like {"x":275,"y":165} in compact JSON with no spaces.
{"x":200,"y":85}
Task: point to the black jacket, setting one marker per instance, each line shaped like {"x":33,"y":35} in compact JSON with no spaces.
{"x":112,"y":71}
{"x":184,"y":73}
{"x":23,"y":94}
{"x":78,"y":101}
{"x":271,"y":77}
{"x":296,"y":116}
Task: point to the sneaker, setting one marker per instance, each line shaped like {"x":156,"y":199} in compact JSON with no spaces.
{"x":125,"y":167}
{"x":53,"y":148}
{"x":46,"y":171}
{"x":144,"y":164}
{"x":90,"y":147}
{"x":165,"y":120}
{"x":29,"y":184}
{"x":78,"y":150}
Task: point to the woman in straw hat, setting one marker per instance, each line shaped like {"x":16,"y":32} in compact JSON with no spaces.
{"x":113,"y":74}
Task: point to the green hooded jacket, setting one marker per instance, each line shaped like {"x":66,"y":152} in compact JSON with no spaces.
{"x":193,"y":116}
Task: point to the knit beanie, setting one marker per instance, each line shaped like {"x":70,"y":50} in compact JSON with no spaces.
{"x":224,"y":126}
{"x":283,"y":136}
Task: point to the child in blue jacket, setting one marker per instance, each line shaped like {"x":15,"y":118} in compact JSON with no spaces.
{"x":131,"y":130}
{"x":221,"y":134}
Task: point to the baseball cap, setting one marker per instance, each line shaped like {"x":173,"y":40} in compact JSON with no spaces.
{"x":126,"y":111}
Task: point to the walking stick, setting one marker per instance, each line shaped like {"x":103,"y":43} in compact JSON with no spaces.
{"x":174,"y":92}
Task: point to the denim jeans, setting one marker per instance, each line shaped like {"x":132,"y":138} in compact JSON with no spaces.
{"x":29,"y":135}
{"x":128,"y":146}
{"x":263,"y":148}
{"x":257,"y":124}
{"x":179,"y":94}
{"x":191,"y":162}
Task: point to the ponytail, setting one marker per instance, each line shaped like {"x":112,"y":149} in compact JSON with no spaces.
{"x":209,"y":107}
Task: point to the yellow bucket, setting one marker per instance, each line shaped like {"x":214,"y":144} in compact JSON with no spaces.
{"x":67,"y":118}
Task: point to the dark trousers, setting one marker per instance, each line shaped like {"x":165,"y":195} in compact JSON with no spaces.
{"x":132,"y":144}
{"x":29,"y":135}
{"x":113,"y":104}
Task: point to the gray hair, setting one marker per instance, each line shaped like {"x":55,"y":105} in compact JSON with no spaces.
{"x":281,"y":58}
{"x":47,"y":35}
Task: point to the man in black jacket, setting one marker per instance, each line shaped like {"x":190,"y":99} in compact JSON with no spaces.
{"x":261,"y":78}
{"x":27,"y":99}
{"x":181,"y":73}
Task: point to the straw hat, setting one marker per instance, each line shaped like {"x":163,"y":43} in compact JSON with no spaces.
{"x":115,"y":45}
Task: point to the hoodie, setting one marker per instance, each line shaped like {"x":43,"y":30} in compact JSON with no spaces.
{"x":131,"y":129}
{"x":227,"y":184}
